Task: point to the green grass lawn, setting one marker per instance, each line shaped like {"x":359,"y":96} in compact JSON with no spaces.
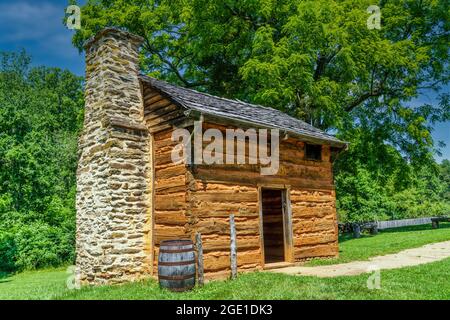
{"x":386,"y":242}
{"x":41,"y":284}
{"x":419,"y":282}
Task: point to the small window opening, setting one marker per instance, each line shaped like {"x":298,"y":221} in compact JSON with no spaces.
{"x":313,"y":152}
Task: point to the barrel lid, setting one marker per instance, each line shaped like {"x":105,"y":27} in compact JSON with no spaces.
{"x":178,"y":242}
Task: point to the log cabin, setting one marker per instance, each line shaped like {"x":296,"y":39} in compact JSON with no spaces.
{"x":131,"y":195}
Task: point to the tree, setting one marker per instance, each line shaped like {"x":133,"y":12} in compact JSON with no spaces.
{"x":445,"y":177}
{"x":41,"y":112}
{"x":313,"y":59}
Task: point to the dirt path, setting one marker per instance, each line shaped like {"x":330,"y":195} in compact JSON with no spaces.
{"x":410,"y":257}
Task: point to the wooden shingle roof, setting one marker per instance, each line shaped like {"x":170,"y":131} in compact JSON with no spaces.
{"x":241,"y":112}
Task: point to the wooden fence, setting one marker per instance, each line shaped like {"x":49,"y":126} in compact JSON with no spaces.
{"x":349,"y":227}
{"x":403,"y":223}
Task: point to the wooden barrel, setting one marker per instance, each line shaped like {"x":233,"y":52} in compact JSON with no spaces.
{"x":176,"y":265}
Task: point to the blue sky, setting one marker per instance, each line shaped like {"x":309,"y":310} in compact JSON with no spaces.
{"x":37,"y":27}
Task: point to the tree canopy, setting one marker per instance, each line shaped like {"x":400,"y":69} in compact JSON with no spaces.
{"x":40,"y":115}
{"x":316,"y":60}
{"x":313,"y":59}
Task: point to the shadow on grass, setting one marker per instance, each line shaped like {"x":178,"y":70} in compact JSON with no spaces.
{"x":349,"y":236}
{"x":422,"y":227}
{"x":5,"y":277}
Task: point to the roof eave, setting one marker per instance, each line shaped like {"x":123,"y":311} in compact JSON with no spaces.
{"x":302,"y":137}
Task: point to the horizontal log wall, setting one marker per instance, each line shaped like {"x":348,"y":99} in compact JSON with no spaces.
{"x":210,"y":205}
{"x":200,"y":198}
{"x":215,"y":191}
{"x":170,"y":187}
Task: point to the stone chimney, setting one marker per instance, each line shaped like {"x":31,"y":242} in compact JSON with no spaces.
{"x":114,"y":220}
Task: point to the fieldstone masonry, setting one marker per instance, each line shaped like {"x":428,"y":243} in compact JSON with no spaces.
{"x":114,"y":175}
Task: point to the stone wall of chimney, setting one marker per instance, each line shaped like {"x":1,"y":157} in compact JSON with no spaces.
{"x":114,"y":178}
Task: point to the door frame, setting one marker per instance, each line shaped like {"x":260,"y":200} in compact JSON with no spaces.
{"x":287,"y":221}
